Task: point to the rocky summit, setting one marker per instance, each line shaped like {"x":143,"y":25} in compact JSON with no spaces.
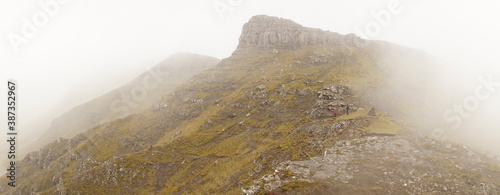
{"x":262,"y":121}
{"x":264,"y":32}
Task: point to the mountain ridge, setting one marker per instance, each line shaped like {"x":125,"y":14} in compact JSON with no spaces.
{"x":121,"y":101}
{"x":261,"y":121}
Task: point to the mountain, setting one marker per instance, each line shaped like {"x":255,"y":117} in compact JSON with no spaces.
{"x":262,"y":122}
{"x":133,"y":97}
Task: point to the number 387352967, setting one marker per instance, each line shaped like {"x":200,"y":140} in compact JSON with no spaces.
{"x":11,"y":105}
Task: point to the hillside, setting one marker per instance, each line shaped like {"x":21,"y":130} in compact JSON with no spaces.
{"x":133,"y":97}
{"x":261,"y":121}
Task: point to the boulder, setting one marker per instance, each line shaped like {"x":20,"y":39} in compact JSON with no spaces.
{"x":372,"y":112}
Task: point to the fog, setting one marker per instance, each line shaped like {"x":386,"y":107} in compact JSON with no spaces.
{"x":83,"y":49}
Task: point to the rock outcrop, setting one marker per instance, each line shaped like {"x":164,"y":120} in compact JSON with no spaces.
{"x":330,"y":98}
{"x":392,"y":168}
{"x":265,"y":32}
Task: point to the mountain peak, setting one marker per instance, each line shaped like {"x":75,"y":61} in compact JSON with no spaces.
{"x":266,"y":32}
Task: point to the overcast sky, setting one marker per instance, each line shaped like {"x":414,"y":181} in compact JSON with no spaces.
{"x":74,"y":51}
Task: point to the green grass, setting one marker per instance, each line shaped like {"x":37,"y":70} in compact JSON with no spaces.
{"x":235,"y":147}
{"x":383,"y":126}
{"x":299,"y":186}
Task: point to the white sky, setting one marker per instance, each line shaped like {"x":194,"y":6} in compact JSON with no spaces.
{"x":91,"y":47}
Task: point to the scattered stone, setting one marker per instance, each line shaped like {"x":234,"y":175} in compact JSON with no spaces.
{"x":176,"y":134}
{"x":372,"y":112}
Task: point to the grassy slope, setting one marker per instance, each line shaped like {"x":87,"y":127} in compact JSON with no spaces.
{"x":100,"y":110}
{"x":216,"y":152}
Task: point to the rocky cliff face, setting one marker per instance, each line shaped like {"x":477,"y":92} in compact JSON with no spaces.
{"x":265,"y":32}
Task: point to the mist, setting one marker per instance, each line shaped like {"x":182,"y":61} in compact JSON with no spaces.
{"x":89,"y":48}
{"x":449,"y":100}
